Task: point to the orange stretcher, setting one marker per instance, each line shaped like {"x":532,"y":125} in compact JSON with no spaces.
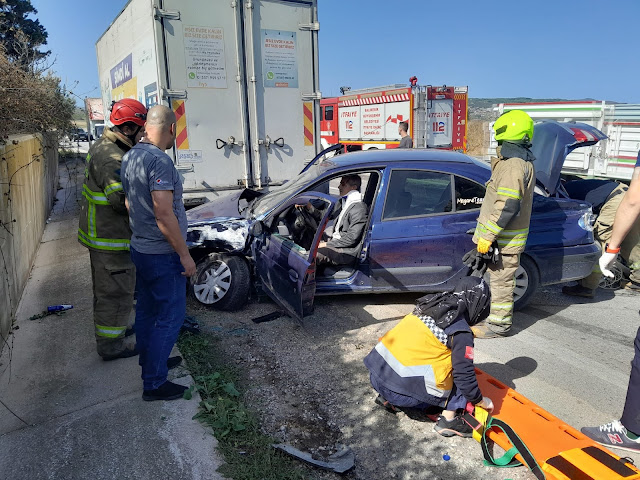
{"x":560,"y":451}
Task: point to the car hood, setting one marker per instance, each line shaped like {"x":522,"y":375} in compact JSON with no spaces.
{"x":232,"y":205}
{"x":223,"y":234}
{"x":552,"y":142}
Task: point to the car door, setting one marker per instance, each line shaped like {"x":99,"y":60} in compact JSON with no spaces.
{"x":410,"y":244}
{"x":422,"y":234}
{"x":286,"y":269}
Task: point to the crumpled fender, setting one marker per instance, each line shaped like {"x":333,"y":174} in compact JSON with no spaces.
{"x":227,"y":235}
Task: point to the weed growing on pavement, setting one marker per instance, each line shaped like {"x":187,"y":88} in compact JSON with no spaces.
{"x":248,"y":453}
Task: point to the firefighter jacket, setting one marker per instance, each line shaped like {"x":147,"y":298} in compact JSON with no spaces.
{"x":506,"y":208}
{"x":104,"y":222}
{"x":415,"y":359}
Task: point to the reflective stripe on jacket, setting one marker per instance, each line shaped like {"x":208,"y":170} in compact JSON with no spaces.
{"x":104,"y":222}
{"x":410,"y":360}
{"x":506,"y":208}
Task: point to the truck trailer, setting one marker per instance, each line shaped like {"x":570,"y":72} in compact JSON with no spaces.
{"x":241,"y":76}
{"x":612,"y":158}
{"x":368,"y":118}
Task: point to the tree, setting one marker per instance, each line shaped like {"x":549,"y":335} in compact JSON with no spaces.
{"x":31,"y":97}
{"x":21,"y":36}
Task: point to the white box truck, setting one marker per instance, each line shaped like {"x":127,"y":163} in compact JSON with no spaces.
{"x":242,"y":77}
{"x":614,"y":157}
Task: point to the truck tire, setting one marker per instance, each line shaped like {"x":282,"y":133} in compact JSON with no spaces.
{"x":527,"y":281}
{"x":222,"y":281}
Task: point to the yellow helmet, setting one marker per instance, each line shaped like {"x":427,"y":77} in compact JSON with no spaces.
{"x":514,"y":126}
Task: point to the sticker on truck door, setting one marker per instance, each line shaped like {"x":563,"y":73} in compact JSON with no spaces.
{"x":279,"y":59}
{"x":204,"y":57}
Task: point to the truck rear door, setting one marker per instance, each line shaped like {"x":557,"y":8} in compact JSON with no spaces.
{"x":202,"y":78}
{"x":284,"y":101}
{"x":242,"y":79}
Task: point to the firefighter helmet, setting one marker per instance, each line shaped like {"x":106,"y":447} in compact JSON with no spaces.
{"x":128,"y":110}
{"x":514,"y":126}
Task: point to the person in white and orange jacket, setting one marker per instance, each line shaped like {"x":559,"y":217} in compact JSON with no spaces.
{"x":426,"y":360}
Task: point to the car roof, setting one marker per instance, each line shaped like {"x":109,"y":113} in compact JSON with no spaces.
{"x":401,"y":155}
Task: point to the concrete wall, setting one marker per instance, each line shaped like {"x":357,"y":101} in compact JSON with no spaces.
{"x":28,"y":184}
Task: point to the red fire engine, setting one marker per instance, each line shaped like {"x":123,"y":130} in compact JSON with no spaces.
{"x":368,"y":118}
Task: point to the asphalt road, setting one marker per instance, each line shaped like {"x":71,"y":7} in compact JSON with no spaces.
{"x":570,"y":356}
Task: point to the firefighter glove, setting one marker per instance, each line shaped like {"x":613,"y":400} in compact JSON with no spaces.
{"x":483,"y":245}
{"x":475,"y":261}
{"x":606,"y":261}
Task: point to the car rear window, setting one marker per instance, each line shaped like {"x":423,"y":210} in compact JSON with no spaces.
{"x":415,"y":193}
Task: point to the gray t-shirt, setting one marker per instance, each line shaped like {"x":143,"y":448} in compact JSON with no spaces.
{"x":406,"y":142}
{"x":146,"y":168}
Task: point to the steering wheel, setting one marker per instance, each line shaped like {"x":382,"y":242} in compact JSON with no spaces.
{"x":302,"y":226}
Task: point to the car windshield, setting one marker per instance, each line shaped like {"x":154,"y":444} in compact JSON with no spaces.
{"x":280,"y":193}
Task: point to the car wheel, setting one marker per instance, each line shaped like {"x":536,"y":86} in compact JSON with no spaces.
{"x":222,"y":281}
{"x":527,"y":281}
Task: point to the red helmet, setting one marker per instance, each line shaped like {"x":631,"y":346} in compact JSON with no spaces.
{"x":128,"y":110}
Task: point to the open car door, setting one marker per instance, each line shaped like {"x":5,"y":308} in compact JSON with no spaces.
{"x":285,"y":251}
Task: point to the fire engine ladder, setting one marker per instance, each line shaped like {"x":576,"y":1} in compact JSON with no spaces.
{"x":419,"y":133}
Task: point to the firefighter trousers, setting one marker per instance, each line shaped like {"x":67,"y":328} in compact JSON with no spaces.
{"x":602,"y":230}
{"x":114,"y":279}
{"x":502,"y":283}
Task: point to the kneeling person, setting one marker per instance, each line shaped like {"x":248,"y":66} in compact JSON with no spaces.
{"x":341,"y":248}
{"x":427,"y":359}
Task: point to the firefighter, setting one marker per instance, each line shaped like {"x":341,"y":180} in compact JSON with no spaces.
{"x":605,"y":197}
{"x":504,"y":216}
{"x":104,"y":230}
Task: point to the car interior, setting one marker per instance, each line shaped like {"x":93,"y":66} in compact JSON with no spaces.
{"x":299,"y":226}
{"x":370,"y":181}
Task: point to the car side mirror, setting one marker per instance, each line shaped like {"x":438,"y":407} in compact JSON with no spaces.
{"x":256,"y":229}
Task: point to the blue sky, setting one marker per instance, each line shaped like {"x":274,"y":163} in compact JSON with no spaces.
{"x":543,"y":49}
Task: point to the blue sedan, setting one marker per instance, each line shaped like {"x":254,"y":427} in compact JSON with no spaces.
{"x":423,"y":206}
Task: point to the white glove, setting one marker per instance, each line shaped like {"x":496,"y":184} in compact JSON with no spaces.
{"x":486,"y":403}
{"x":606,"y":260}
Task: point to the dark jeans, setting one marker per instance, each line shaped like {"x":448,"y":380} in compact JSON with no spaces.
{"x":162,"y":296}
{"x":631,"y":414}
{"x":456,"y":399}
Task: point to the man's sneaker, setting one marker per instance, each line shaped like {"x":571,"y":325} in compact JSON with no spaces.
{"x":578,"y":290}
{"x":167,"y":391}
{"x":612,"y":434}
{"x":451,"y":428}
{"x":173,"y":362}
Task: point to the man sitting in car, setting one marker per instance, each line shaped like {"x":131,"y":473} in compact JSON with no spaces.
{"x":343,"y":241}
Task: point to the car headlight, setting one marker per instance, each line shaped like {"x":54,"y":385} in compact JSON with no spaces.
{"x":587,"y":221}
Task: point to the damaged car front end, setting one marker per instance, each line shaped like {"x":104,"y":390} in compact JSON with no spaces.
{"x":217,"y":237}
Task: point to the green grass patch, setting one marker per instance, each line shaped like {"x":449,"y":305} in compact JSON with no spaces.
{"x":247,"y":452}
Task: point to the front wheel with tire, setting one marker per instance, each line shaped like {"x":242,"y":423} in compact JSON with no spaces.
{"x":222,"y":281}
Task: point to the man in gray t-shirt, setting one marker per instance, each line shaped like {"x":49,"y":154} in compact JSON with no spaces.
{"x":405,"y":139}
{"x":149,"y":169}
{"x":158,"y":221}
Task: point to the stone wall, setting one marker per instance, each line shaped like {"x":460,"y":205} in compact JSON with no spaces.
{"x":28,"y":184}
